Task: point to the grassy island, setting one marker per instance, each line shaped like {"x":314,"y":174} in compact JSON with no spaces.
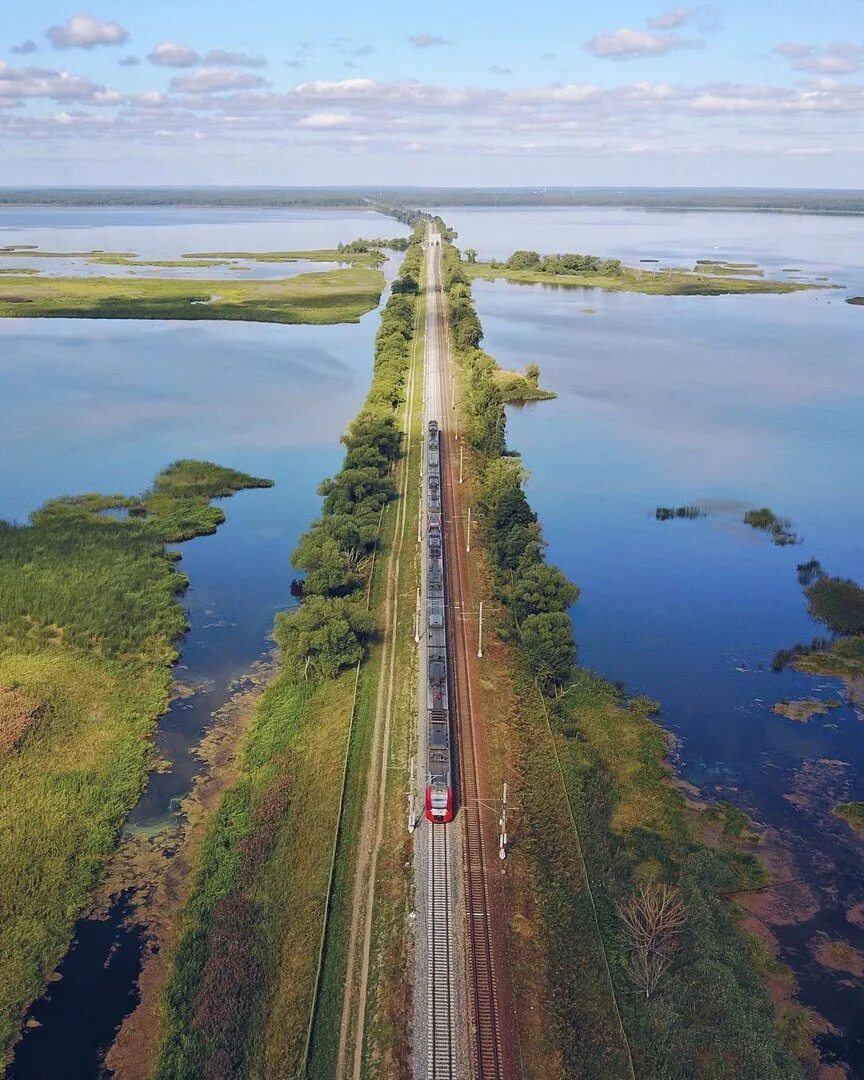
{"x":518,"y":387}
{"x":852,"y":813}
{"x":591,"y":272}
{"x":89,"y":618}
{"x":332,"y":296}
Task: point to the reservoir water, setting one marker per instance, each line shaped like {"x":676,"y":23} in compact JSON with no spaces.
{"x":103,"y":406}
{"x":730,"y":403}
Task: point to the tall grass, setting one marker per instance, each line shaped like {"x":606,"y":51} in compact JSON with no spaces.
{"x":89,"y":618}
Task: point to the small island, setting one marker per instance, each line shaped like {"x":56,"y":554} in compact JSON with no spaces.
{"x":852,"y":813}
{"x":573,"y":270}
{"x":518,"y":388}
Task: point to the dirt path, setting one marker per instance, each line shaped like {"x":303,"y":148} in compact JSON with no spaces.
{"x":372,"y":827}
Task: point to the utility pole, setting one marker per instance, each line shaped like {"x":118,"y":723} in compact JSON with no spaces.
{"x":461,"y":455}
{"x":468,"y":538}
{"x":502,"y":839}
{"x":480,"y":634}
{"x":417,"y":619}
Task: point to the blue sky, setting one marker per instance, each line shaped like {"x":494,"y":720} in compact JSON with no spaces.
{"x":150,"y":92}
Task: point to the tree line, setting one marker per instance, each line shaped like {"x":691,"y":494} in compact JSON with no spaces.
{"x":568,"y":262}
{"x":329,"y":629}
{"x":536,"y":594}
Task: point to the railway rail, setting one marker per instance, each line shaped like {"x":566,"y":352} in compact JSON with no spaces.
{"x":440,"y":998}
{"x":488,"y":998}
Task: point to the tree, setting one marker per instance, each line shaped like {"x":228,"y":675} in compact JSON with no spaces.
{"x":653,"y":918}
{"x":471,"y":255}
{"x":549,"y":646}
{"x":329,"y":570}
{"x":323,"y":636}
{"x":540,"y":587}
{"x":351,"y":487}
{"x":523,"y":260}
{"x":532,"y":374}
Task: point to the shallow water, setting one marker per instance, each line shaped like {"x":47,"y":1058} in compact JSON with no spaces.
{"x":171,"y":232}
{"x":102,"y":406}
{"x":730,"y":403}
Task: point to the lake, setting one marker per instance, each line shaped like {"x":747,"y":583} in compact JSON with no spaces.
{"x":729,"y":403}
{"x":103,"y":406}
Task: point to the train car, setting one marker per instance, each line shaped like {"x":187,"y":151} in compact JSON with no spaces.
{"x":439,"y":788}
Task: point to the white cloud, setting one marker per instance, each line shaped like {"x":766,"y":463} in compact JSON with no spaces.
{"x":325,"y":121}
{"x":670,"y":20}
{"x":223,"y":58}
{"x":211,"y":80}
{"x":627,"y":44}
{"x":572,"y":94}
{"x":497,"y":69}
{"x":842,"y":58}
{"x":24,"y":48}
{"x":31,"y":82}
{"x":170,"y":54}
{"x":84,"y":32}
{"x":428,"y":41}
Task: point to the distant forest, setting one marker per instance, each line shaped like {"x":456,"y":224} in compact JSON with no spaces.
{"x":766,"y":199}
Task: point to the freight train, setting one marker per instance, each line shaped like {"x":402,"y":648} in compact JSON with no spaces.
{"x":439,"y":786}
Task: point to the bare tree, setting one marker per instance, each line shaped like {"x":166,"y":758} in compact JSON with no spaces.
{"x":653,"y":918}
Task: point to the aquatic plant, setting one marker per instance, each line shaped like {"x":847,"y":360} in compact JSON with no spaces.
{"x":779,"y":529}
{"x":667,"y":513}
{"x":837,"y":602}
{"x":809,"y":572}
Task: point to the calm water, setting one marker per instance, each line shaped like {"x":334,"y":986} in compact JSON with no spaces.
{"x":170,"y":232}
{"x":730,"y":403}
{"x":89,"y":405}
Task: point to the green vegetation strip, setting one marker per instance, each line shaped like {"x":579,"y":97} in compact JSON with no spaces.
{"x":328,"y":297}
{"x":640,"y":843}
{"x":88,"y":623}
{"x":251,"y":1015}
{"x":590,"y":272}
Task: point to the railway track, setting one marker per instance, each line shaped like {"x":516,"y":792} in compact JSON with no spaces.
{"x":487,"y":999}
{"x":441,"y":1019}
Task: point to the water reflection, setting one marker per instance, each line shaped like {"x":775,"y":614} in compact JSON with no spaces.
{"x":728,"y":403}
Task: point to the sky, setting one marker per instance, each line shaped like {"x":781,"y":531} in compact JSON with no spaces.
{"x":470,"y":93}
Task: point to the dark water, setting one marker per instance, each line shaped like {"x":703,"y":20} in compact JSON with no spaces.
{"x":730,"y":403}
{"x":102,"y":406}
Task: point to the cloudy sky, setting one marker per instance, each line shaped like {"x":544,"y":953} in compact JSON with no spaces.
{"x":731,"y":92}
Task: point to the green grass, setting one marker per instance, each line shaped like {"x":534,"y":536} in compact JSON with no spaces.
{"x":89,"y":618}
{"x":327,"y":297}
{"x":364,"y":258}
{"x":516,"y":388}
{"x":129,"y":260}
{"x":852,"y":813}
{"x":710,"y":266}
{"x":24,"y":252}
{"x":656,"y":282}
{"x":19,"y":270}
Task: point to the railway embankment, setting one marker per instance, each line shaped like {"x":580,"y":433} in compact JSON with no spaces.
{"x":257,"y":978}
{"x":617,"y":887}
